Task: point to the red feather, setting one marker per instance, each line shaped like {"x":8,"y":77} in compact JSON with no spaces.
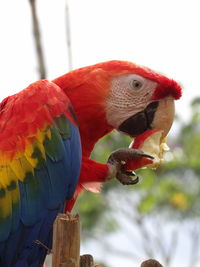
{"x":167,"y":88}
{"x":31,"y":109}
{"x":88,"y":88}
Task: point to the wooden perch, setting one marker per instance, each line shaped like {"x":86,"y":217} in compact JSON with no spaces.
{"x":86,"y":261}
{"x":66,"y":245}
{"x":66,"y":241}
{"x":151,"y":263}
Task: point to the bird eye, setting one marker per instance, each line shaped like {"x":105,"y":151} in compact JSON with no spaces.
{"x":136,"y":84}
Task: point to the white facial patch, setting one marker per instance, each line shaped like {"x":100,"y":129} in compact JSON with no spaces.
{"x":129,"y":94}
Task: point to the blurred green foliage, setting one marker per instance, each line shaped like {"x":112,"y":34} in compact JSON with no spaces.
{"x":173,"y":189}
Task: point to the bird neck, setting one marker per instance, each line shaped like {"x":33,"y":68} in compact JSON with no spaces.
{"x":89,"y":107}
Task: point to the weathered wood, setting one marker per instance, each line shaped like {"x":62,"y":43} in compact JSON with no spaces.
{"x":151,"y":263}
{"x":66,"y":241}
{"x":86,"y":261}
{"x":66,"y":245}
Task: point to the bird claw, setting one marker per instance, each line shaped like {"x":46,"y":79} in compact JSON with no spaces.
{"x":119,"y":157}
{"x":125,"y":178}
{"x":124,"y":154}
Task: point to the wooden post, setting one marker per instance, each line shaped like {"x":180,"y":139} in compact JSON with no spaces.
{"x":151,"y":263}
{"x":86,"y":261}
{"x":66,"y":241}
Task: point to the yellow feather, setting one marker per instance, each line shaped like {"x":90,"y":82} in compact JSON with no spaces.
{"x":40,"y":136}
{"x":5,"y":158}
{"x":18,"y":169}
{"x":27,"y":167}
{"x":48,"y":133}
{"x":28,"y":154}
{"x":42,"y":150}
{"x":6,"y":205}
{"x":7,"y":177}
{"x":15,"y":194}
{"x":4,"y":177}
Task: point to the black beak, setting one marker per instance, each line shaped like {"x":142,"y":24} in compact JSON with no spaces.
{"x":140,"y":122}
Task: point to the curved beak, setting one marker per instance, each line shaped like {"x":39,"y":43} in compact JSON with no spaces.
{"x":164,"y":115}
{"x":157,"y":115}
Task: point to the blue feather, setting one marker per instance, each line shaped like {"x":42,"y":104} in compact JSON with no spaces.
{"x":30,"y":205}
{"x":76,"y":156}
{"x":15,"y":214}
{"x":42,"y":197}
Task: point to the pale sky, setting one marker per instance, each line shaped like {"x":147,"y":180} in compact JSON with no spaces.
{"x":163,"y":35}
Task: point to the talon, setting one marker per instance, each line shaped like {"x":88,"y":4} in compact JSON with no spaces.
{"x":147,"y":156}
{"x":129,"y":173}
{"x":136,"y":180}
{"x":124,"y":154}
{"x":125,"y":178}
{"x":133,"y":173}
{"x":121,"y":156}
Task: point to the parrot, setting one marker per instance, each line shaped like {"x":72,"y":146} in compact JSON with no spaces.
{"x":47,"y":133}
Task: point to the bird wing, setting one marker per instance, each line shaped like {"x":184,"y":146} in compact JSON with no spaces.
{"x":40,"y":157}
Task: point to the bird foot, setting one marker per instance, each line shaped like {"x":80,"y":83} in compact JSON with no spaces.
{"x":118,"y":159}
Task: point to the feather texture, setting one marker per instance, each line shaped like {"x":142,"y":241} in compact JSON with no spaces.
{"x":40,"y":157}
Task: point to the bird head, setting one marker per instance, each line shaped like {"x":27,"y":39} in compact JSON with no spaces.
{"x":120,"y":95}
{"x":140,"y":99}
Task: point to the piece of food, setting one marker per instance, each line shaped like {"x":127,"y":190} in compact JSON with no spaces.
{"x":152,"y":143}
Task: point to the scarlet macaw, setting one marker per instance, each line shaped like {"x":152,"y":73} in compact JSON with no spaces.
{"x":47,"y":133}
